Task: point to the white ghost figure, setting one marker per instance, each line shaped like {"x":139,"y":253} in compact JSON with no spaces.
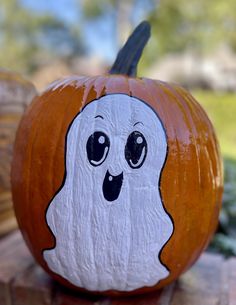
{"x":108,"y":217}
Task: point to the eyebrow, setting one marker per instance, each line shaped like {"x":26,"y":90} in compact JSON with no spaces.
{"x":138,"y":123}
{"x":99,"y":116}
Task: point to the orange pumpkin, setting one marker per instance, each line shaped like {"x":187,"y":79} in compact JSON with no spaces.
{"x":116,"y":180}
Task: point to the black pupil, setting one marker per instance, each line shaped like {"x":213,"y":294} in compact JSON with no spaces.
{"x":97,"y":148}
{"x":136,"y":149}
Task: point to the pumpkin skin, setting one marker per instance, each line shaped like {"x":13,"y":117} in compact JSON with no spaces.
{"x":191,"y":181}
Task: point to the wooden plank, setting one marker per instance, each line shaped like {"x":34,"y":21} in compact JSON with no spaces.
{"x":201,"y":284}
{"x":14,"y":258}
{"x":32,"y":287}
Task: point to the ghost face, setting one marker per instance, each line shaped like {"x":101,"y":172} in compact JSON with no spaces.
{"x":108,"y":218}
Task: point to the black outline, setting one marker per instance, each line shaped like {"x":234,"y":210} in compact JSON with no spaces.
{"x":138,"y":123}
{"x":146,"y":150}
{"x":119,"y":176}
{"x":159,"y":182}
{"x":99,"y":116}
{"x":95,"y":165}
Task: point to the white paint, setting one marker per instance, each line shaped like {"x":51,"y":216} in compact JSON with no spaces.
{"x":103,"y":245}
{"x":139,"y":140}
{"x":101,"y":140}
{"x":103,"y":157}
{"x":73,"y":80}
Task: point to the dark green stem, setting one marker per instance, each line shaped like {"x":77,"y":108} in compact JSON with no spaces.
{"x":128,"y":57}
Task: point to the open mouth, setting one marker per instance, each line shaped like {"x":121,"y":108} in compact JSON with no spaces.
{"x":111,"y":186}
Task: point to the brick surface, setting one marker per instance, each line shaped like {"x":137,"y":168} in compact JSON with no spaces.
{"x":232,"y":281}
{"x":32,"y":287}
{"x":14,"y":258}
{"x":201,"y":284}
{"x":64,"y":296}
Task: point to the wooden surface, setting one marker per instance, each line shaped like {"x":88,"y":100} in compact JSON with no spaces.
{"x":211,"y":281}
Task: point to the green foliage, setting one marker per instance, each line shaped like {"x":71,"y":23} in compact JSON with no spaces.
{"x":221,"y":108}
{"x":223,"y":244}
{"x":98,"y":8}
{"x":225,"y":238}
{"x":197,"y":24}
{"x":94,"y":9}
{"x":25,"y":35}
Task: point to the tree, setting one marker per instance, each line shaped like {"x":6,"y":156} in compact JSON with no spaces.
{"x":123,"y":12}
{"x":26,"y":37}
{"x":197,"y":24}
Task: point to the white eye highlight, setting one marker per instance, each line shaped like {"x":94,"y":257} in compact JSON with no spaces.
{"x":101,"y":140}
{"x":139,"y":140}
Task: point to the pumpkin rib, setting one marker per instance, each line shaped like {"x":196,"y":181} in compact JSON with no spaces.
{"x":99,"y":85}
{"x":37,"y":123}
{"x":159,"y":87}
{"x":129,"y":196}
{"x":199,"y":165}
{"x":27,"y":170}
{"x":213,"y":140}
{"x":34,"y":135}
{"x":118,"y":84}
{"x":214,"y":145}
{"x":90,"y":88}
{"x":153,"y":100}
{"x":55,"y":190}
{"x":166,"y":90}
{"x":87,"y":85}
{"x":192,"y":122}
{"x":210,"y":222}
{"x":69,"y":102}
{"x":57,"y":140}
{"x":202,"y":115}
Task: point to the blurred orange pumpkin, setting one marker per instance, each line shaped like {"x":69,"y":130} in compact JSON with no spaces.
{"x":15,"y":94}
{"x":190,"y":183}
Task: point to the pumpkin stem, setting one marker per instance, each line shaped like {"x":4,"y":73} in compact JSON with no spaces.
{"x":128,"y":57}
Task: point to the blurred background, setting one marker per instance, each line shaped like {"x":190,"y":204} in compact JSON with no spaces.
{"x":193,"y":43}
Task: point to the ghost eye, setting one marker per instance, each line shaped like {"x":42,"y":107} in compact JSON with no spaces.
{"x":136,"y":149}
{"x":97,"y":148}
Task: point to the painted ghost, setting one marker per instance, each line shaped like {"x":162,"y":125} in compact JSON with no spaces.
{"x":108,"y":218}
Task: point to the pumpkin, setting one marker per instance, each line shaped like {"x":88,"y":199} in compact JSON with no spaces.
{"x":116,"y":180}
{"x":15,"y":94}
